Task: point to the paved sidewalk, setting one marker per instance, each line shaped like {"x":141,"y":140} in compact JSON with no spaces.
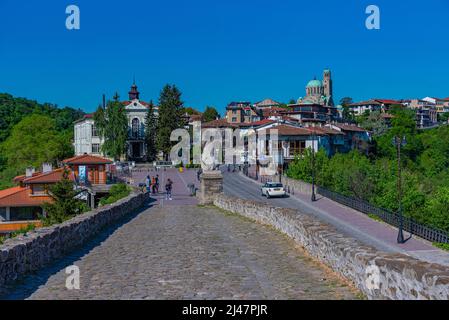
{"x":374,"y":233}
{"x":181,"y":194}
{"x":188,"y":252}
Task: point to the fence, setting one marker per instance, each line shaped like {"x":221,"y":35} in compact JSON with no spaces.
{"x":409,"y":225}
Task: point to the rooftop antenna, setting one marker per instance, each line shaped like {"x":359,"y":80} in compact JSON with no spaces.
{"x":104,"y":101}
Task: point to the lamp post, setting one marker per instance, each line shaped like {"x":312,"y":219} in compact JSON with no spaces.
{"x":400,"y":142}
{"x":313,"y":166}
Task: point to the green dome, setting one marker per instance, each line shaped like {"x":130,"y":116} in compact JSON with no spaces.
{"x":314,"y":83}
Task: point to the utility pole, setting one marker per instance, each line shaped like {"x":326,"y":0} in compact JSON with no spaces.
{"x":398,"y":142}
{"x":313,"y":166}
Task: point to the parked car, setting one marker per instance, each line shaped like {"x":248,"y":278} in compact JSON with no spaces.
{"x":273,"y":189}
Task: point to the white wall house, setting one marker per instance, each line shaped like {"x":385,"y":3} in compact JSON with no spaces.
{"x":87,"y":140}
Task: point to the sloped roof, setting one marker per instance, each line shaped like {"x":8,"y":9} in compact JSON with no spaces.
{"x":284,"y":130}
{"x":348,"y":127}
{"x":87,"y":159}
{"x":219,"y":123}
{"x":267,"y":102}
{"x":49,"y":177}
{"x":20,"y":197}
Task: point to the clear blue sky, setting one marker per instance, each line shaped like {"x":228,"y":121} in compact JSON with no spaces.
{"x":219,"y":51}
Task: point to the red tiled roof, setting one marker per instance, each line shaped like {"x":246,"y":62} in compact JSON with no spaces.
{"x":220,"y":123}
{"x":23,"y":177}
{"x":284,"y":130}
{"x":363,"y":103}
{"x":20,"y":197}
{"x":87,"y":159}
{"x":347,"y":127}
{"x":388,"y":101}
{"x":261,"y":123}
{"x":49,"y":177}
{"x":325,"y":131}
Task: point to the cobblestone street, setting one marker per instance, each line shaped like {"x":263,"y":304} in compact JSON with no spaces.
{"x":188,"y":252}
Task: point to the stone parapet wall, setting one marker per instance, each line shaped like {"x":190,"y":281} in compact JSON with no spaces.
{"x":378,"y":275}
{"x":38,"y":248}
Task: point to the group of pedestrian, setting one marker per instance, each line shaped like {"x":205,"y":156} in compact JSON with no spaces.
{"x":152,"y":186}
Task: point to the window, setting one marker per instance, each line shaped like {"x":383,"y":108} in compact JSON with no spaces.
{"x":39,"y":189}
{"x":234,"y":119}
{"x":3,"y":214}
{"x":297,"y":147}
{"x":135,"y":127}
{"x":95,"y":148}
{"x":25,"y":213}
{"x":94,"y":131}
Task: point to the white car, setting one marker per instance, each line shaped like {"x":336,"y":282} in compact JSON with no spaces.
{"x":273,"y":189}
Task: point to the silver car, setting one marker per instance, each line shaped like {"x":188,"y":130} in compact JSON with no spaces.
{"x":273,"y":189}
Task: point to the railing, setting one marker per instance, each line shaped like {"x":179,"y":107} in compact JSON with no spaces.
{"x":409,"y":224}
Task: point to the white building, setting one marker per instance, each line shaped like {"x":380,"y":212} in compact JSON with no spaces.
{"x":87,"y":140}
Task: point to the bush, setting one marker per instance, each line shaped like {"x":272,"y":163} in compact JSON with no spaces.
{"x":117,"y":192}
{"x":444,"y":246}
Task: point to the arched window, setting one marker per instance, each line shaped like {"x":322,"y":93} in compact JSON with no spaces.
{"x":135,"y":127}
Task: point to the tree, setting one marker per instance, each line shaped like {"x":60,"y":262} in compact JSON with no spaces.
{"x":170,"y":117}
{"x":150,"y":133}
{"x":33,"y":141}
{"x":64,"y":205}
{"x":190,"y":111}
{"x":375,"y":123}
{"x":210,"y":114}
{"x":13,"y":110}
{"x":346,"y":101}
{"x":112,"y":126}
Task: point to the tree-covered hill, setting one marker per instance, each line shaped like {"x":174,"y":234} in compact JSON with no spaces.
{"x":13,"y":110}
{"x":31,"y":133}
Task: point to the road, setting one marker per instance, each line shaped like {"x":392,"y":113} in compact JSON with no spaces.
{"x":187,"y":252}
{"x":344,"y":219}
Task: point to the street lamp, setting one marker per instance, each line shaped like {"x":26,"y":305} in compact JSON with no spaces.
{"x":400,"y":142}
{"x":313,"y":165}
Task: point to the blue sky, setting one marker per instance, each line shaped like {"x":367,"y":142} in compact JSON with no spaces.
{"x":221,"y":51}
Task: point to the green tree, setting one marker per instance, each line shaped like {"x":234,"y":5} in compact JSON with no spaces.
{"x":170,"y":117}
{"x":33,"y":141}
{"x":112,"y":125}
{"x":190,"y":111}
{"x":64,"y":205}
{"x":150,"y":133}
{"x":210,"y":114}
{"x":375,"y":123}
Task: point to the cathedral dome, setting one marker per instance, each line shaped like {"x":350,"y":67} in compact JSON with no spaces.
{"x":314,"y":83}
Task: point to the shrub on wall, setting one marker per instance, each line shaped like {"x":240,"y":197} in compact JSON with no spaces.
{"x":117,"y":192}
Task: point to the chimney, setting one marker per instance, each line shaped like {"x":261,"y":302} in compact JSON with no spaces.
{"x":47,"y":167}
{"x":29,"y":172}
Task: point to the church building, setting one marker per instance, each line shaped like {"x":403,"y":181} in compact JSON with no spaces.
{"x":319,"y":92}
{"x":87,"y":140}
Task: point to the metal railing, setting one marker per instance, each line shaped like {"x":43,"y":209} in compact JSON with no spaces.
{"x":409,"y":224}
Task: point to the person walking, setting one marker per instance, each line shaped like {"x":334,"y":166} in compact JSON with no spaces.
{"x":157,"y":183}
{"x":198,"y":173}
{"x":168,"y":189}
{"x":153,"y":185}
{"x":148,"y":184}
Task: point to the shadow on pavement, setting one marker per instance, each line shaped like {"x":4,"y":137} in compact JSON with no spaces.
{"x":28,"y":284}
